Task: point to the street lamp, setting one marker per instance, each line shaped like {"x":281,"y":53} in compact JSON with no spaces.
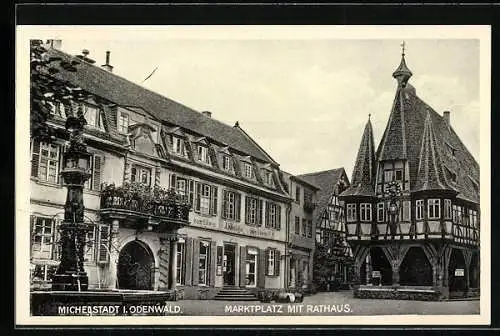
{"x":70,"y":274}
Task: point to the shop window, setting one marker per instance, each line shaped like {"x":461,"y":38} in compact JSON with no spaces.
{"x":181,"y":255}
{"x":419,"y":209}
{"x":434,"y":208}
{"x":351,"y":212}
{"x":253,"y":211}
{"x":365,"y":211}
{"x":231,"y":205}
{"x":45,"y":161}
{"x":203,"y":263}
{"x":273,"y":216}
{"x":43,"y":229}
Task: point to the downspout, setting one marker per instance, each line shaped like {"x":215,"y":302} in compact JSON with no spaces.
{"x":287,"y":257}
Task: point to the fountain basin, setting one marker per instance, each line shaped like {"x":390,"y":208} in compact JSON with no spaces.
{"x":100,"y":303}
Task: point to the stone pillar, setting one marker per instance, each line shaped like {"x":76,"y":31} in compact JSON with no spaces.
{"x":368,"y":269}
{"x":395,"y":272}
{"x":114,"y":254}
{"x":164,"y":256}
{"x":173,"y":264}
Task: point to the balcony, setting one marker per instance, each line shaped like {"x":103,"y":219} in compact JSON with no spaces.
{"x":139,"y":206}
{"x":309,"y":205}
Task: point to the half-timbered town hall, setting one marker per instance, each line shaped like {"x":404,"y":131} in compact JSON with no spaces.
{"x":412,"y":209}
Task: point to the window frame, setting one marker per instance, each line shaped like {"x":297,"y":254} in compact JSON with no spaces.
{"x":248,"y":170}
{"x":180,"y":267}
{"x":380,"y":209}
{"x":271,"y":261}
{"x":448,"y":209}
{"x":351,"y":215}
{"x":139,"y":170}
{"x":434,"y":203}
{"x":297,"y":225}
{"x":364,"y":210}
{"x":47,"y":239}
{"x":123,"y":126}
{"x":419,"y":209}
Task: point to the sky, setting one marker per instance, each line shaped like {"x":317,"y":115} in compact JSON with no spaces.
{"x":305,"y":101}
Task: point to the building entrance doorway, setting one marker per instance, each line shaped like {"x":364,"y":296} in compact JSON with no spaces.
{"x":135,"y":266}
{"x":251,"y":268}
{"x":228,"y":264}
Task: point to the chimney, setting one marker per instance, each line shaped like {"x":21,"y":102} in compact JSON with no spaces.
{"x":446,"y":117}
{"x":107,"y":66}
{"x":207,"y":114}
{"x":56,"y":44}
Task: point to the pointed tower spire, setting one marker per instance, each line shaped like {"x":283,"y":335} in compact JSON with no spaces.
{"x":430,"y":175}
{"x":402,"y":73}
{"x":364,"y":168}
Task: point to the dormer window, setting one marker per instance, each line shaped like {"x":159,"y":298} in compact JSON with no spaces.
{"x":248,"y":170}
{"x":94,"y":116}
{"x":203,"y":154}
{"x":226,"y":163}
{"x":267,"y":176}
{"x":177,"y":145}
{"x":123,"y":122}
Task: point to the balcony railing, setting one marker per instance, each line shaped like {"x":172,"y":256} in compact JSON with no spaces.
{"x":166,"y":204}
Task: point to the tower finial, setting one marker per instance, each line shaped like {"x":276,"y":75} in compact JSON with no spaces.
{"x":402,"y":73}
{"x":369,"y":115}
{"x":403,"y":44}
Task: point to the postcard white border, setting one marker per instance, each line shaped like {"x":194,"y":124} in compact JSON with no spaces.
{"x":25,"y":33}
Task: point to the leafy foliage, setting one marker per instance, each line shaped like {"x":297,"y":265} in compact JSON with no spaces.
{"x":46,"y":90}
{"x":325,"y":257}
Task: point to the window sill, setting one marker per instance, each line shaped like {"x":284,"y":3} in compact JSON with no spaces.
{"x":46,"y":183}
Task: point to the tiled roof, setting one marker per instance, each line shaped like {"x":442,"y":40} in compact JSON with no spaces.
{"x":327,"y":180}
{"x":123,"y":92}
{"x":444,"y":144}
{"x":431,"y":174}
{"x":363,"y":175}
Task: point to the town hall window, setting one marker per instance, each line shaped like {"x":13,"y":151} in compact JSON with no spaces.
{"x":351,"y":212}
{"x":419,"y":209}
{"x":447,"y":209}
{"x":365,"y":211}
{"x":380,"y":212}
{"x":434,"y":208}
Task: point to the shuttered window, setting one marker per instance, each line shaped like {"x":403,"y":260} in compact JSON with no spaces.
{"x":273,"y":215}
{"x":231,"y":204}
{"x":206,"y":199}
{"x":94,"y":181}
{"x":253,"y":211}
{"x":103,"y":244}
{"x":45,"y":161}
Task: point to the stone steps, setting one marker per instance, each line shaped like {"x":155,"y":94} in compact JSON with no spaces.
{"x":235,"y":294}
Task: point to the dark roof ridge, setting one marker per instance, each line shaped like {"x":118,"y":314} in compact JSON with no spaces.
{"x":322,"y":171}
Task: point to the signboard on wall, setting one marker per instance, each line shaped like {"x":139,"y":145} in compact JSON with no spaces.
{"x":234,"y":227}
{"x":459,"y":272}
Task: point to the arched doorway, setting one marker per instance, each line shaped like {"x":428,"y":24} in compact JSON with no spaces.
{"x":474,"y":271}
{"x":135,"y":266}
{"x":380,"y":263}
{"x":456,"y":271}
{"x":415,"y":270}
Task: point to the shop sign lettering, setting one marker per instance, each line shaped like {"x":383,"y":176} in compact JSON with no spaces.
{"x":234,"y":227}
